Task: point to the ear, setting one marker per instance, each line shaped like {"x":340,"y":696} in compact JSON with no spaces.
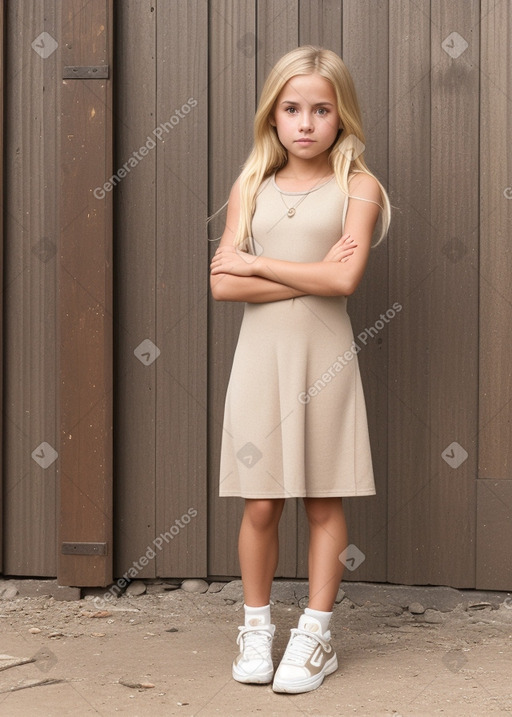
{"x":272,"y":120}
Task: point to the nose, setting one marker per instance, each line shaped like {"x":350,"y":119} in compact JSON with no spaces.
{"x":305,"y":124}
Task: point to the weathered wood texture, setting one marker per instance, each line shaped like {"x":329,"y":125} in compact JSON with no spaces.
{"x":31,"y":225}
{"x":182,"y":283}
{"x":434,"y":84}
{"x":434,"y":400}
{"x":85,"y":296}
{"x":2,"y":11}
{"x":494,"y":496}
{"x":409,"y":383}
{"x":135,"y":286}
{"x":161,"y":287}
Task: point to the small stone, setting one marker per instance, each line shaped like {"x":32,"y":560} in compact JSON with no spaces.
{"x":171,"y":586}
{"x":234,"y":591}
{"x":137,"y":685}
{"x":8,"y":591}
{"x":303,"y":602}
{"x":339,"y":597}
{"x":137,"y":587}
{"x":34,"y":630}
{"x":216,"y":587}
{"x":416,"y":608}
{"x":386,"y":611}
{"x":194,"y":585}
{"x":480,"y":606}
{"x":433,"y":617}
{"x":393,"y":622}
{"x":98,"y":613}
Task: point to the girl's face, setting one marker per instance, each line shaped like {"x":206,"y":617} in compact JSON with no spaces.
{"x":305,"y":116}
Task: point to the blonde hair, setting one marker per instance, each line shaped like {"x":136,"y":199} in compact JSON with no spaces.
{"x":268,"y":154}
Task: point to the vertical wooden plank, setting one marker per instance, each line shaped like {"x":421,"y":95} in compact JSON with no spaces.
{"x":365,"y":51}
{"x":410,"y":283}
{"x":495,"y":405}
{"x":454,"y":184}
{"x":31,"y":228}
{"x":278,"y":31}
{"x":320,"y":23}
{"x":2,"y":13}
{"x":494,"y":534}
{"x":135,"y":288}
{"x":433,"y":502}
{"x":233,"y":49}
{"x":182,"y":286}
{"x":85,"y":295}
{"x":494,"y":503}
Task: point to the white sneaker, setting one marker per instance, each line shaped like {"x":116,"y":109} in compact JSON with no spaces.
{"x":254,"y":663}
{"x":308,"y":658}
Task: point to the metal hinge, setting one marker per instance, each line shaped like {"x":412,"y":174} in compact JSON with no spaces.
{"x":85,"y":72}
{"x":84,"y":548}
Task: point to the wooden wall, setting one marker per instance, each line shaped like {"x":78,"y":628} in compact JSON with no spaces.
{"x":31,"y":236}
{"x":435,"y":86}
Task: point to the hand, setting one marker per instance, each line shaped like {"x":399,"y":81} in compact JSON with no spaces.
{"x":342,"y":250}
{"x":228,"y":260}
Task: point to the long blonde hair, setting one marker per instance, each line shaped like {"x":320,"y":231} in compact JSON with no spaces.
{"x":268,"y":154}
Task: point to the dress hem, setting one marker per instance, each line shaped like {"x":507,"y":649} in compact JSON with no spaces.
{"x":265,"y":496}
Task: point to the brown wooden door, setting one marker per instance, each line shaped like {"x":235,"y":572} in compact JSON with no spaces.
{"x":85,"y":295}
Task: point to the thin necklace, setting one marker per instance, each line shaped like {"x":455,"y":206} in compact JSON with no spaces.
{"x":291,"y":210}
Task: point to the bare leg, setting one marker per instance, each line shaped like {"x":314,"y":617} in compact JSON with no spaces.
{"x":258,"y":548}
{"x":327,"y":539}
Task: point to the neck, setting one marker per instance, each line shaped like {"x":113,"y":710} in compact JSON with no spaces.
{"x":308,"y":169}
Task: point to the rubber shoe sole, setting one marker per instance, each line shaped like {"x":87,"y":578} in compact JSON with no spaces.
{"x":309,"y":683}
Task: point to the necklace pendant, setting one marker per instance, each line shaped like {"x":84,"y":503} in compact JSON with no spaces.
{"x":291,"y":212}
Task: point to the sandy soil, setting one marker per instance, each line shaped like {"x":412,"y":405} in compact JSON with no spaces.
{"x":391,"y":661}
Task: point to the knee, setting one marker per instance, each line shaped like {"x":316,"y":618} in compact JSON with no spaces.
{"x":263,"y":514}
{"x":322,"y":511}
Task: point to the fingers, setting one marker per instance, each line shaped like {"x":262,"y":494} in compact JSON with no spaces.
{"x":343,"y":249}
{"x":222,"y":252}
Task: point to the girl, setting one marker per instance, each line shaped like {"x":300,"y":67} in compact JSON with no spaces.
{"x":300,"y":221}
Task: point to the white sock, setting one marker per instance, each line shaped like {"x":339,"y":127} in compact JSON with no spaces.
{"x":257,"y":615}
{"x":323,"y":618}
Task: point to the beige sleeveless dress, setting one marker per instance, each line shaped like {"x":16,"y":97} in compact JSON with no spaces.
{"x":295,"y":420}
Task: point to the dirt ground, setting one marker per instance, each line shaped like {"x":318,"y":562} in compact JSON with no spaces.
{"x":169,"y":652}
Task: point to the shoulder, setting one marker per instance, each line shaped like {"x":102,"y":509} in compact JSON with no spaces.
{"x":236,"y":190}
{"x":234,"y":194}
{"x":364,"y":186}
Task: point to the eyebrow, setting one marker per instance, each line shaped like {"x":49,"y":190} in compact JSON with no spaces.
{"x":317,"y":104}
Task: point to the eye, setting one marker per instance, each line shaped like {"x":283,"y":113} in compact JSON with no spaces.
{"x":290,"y":110}
{"x":322,"y":111}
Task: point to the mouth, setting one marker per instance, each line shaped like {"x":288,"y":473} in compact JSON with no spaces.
{"x":304,"y":141}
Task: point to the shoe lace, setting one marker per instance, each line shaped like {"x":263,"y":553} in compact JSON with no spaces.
{"x":255,"y":641}
{"x":302,"y":645}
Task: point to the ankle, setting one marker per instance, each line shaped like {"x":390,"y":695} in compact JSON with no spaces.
{"x":323,"y":618}
{"x":257,"y":615}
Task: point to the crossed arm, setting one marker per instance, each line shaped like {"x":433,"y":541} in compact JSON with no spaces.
{"x":239,"y":276}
